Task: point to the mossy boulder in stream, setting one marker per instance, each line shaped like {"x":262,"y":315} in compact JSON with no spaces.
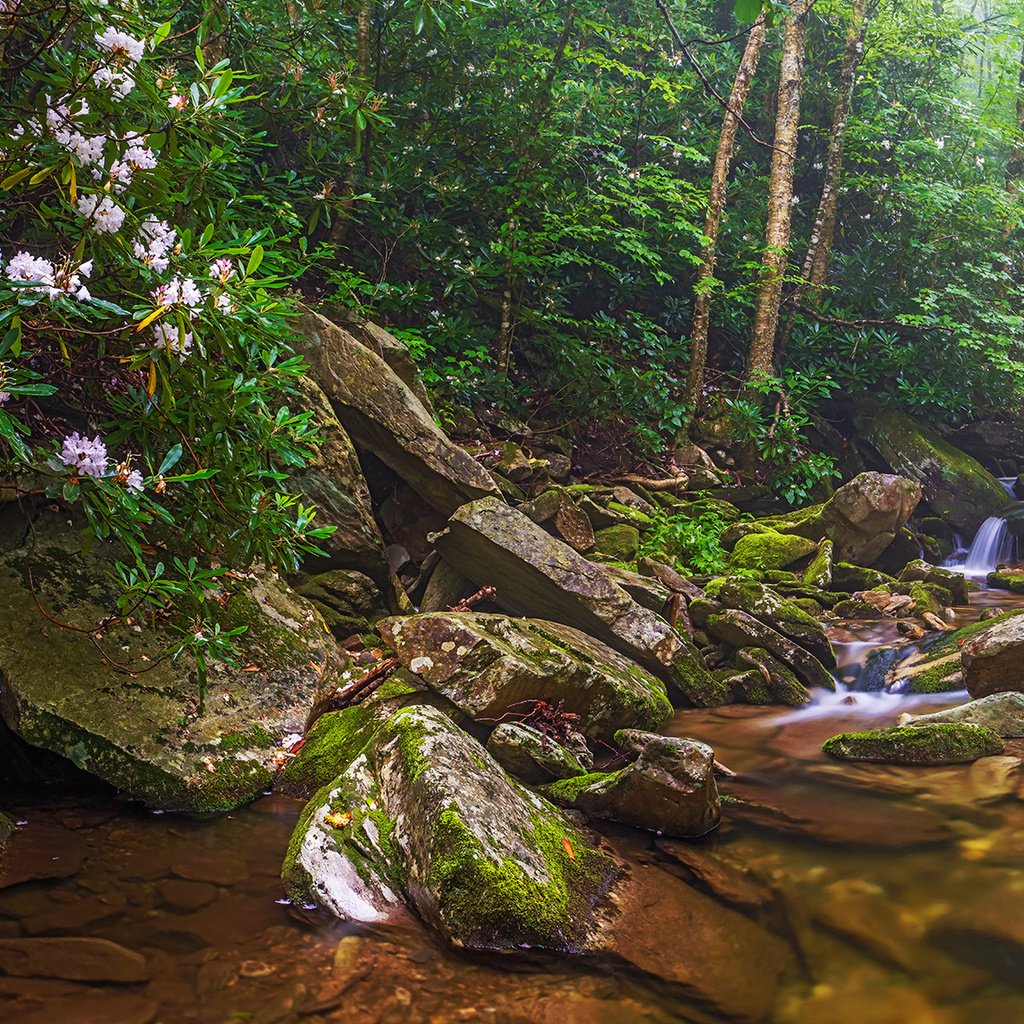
{"x":669,"y":788}
{"x":426,"y":812}
{"x":1003,"y":713}
{"x":493,"y":665}
{"x":1007,"y":579}
{"x":955,"y":486}
{"x":112,"y":701}
{"x":942,"y":743}
{"x":532,"y":757}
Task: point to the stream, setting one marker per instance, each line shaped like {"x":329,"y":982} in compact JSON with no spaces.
{"x":900,"y":891}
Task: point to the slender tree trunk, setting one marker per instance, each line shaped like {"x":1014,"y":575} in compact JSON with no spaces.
{"x":716,"y":204}
{"x":819,"y":249}
{"x":780,"y":192}
{"x":1015,"y":165}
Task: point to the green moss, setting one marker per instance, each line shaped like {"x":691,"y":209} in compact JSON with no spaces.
{"x":770,"y":550}
{"x":246,"y":739}
{"x":1007,"y":579}
{"x":567,"y":791}
{"x":621,"y":542}
{"x":498,"y":904}
{"x":333,"y":743}
{"x":940,"y":743}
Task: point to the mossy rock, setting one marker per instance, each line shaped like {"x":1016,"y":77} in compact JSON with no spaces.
{"x":770,"y":550}
{"x":944,"y":743}
{"x":621,"y":542}
{"x":957,"y":585}
{"x":1007,"y":579}
{"x":819,"y":572}
{"x":852,"y":578}
{"x":142,"y":731}
{"x":6,"y":830}
{"x":491,"y":665}
{"x":669,"y":788}
{"x":348,"y":601}
{"x":533,"y":757}
{"x":424,"y":811}
{"x":956,"y":487}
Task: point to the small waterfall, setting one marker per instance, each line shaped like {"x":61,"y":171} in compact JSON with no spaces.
{"x":1010,"y":483}
{"x":992,"y":546}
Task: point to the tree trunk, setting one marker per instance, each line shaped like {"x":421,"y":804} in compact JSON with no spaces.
{"x":716,"y":204}
{"x":1015,"y":165}
{"x":780,"y":193}
{"x":819,"y":249}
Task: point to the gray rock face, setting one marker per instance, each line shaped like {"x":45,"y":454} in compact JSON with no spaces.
{"x":425,"y":811}
{"x":669,"y":788}
{"x":993,"y":661}
{"x":1003,"y":713}
{"x":491,"y":665}
{"x":534,"y":758}
{"x":536,"y":574}
{"x":347,"y":600}
{"x":58,"y":692}
{"x":333,"y":481}
{"x":866,"y":514}
{"x":382,"y":414}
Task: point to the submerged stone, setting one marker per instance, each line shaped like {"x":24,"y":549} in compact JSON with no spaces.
{"x":943,"y":743}
{"x":491,"y":665}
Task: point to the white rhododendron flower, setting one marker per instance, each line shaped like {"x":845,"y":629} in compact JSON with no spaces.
{"x":102,"y":213}
{"x":170,"y":340}
{"x":85,"y":456}
{"x":123,"y":47}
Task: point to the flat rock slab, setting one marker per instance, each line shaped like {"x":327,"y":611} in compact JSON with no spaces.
{"x":1003,"y":713}
{"x":718,"y":957}
{"x":934,"y":743}
{"x":40,"y":852}
{"x":141,"y":731}
{"x":75,"y":959}
{"x":383,"y":414}
{"x":730,"y":884}
{"x":537,"y":574}
{"x":88,"y":1008}
{"x":491,"y":665}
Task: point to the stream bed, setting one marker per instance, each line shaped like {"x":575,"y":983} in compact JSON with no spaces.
{"x":900,"y":892}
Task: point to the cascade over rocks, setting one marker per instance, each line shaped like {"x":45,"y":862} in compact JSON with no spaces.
{"x":385,"y":416}
{"x":59,"y":692}
{"x":957,"y":488}
{"x":491,"y":665}
{"x":536,"y":574}
{"x":425,"y":811}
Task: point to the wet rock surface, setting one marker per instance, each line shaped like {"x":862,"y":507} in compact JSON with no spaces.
{"x":492,"y":665}
{"x":942,"y":743}
{"x":1003,"y":713}
{"x":993,"y":661}
{"x":424,"y":810}
{"x":669,"y":788}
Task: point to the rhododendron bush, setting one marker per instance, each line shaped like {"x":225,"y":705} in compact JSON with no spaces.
{"x":144,"y":367}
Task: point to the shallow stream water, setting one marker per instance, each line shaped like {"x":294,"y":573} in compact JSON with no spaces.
{"x":900,"y":892}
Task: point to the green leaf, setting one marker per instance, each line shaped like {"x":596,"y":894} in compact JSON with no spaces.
{"x":161,"y":34}
{"x":748,"y":10}
{"x":254,"y":260}
{"x":170,"y":460}
{"x":12,"y":179}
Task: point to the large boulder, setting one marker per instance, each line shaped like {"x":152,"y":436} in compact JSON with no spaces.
{"x":934,"y":743}
{"x":537,"y":574}
{"x":534,"y":757}
{"x":993,"y":661}
{"x":956,"y":487}
{"x":865,"y":515}
{"x":333,"y":480}
{"x":770,"y":549}
{"x":110,"y":699}
{"x":669,"y":788}
{"x":491,"y":666}
{"x":1003,"y":713}
{"x":385,"y":416}
{"x":423,"y":810}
